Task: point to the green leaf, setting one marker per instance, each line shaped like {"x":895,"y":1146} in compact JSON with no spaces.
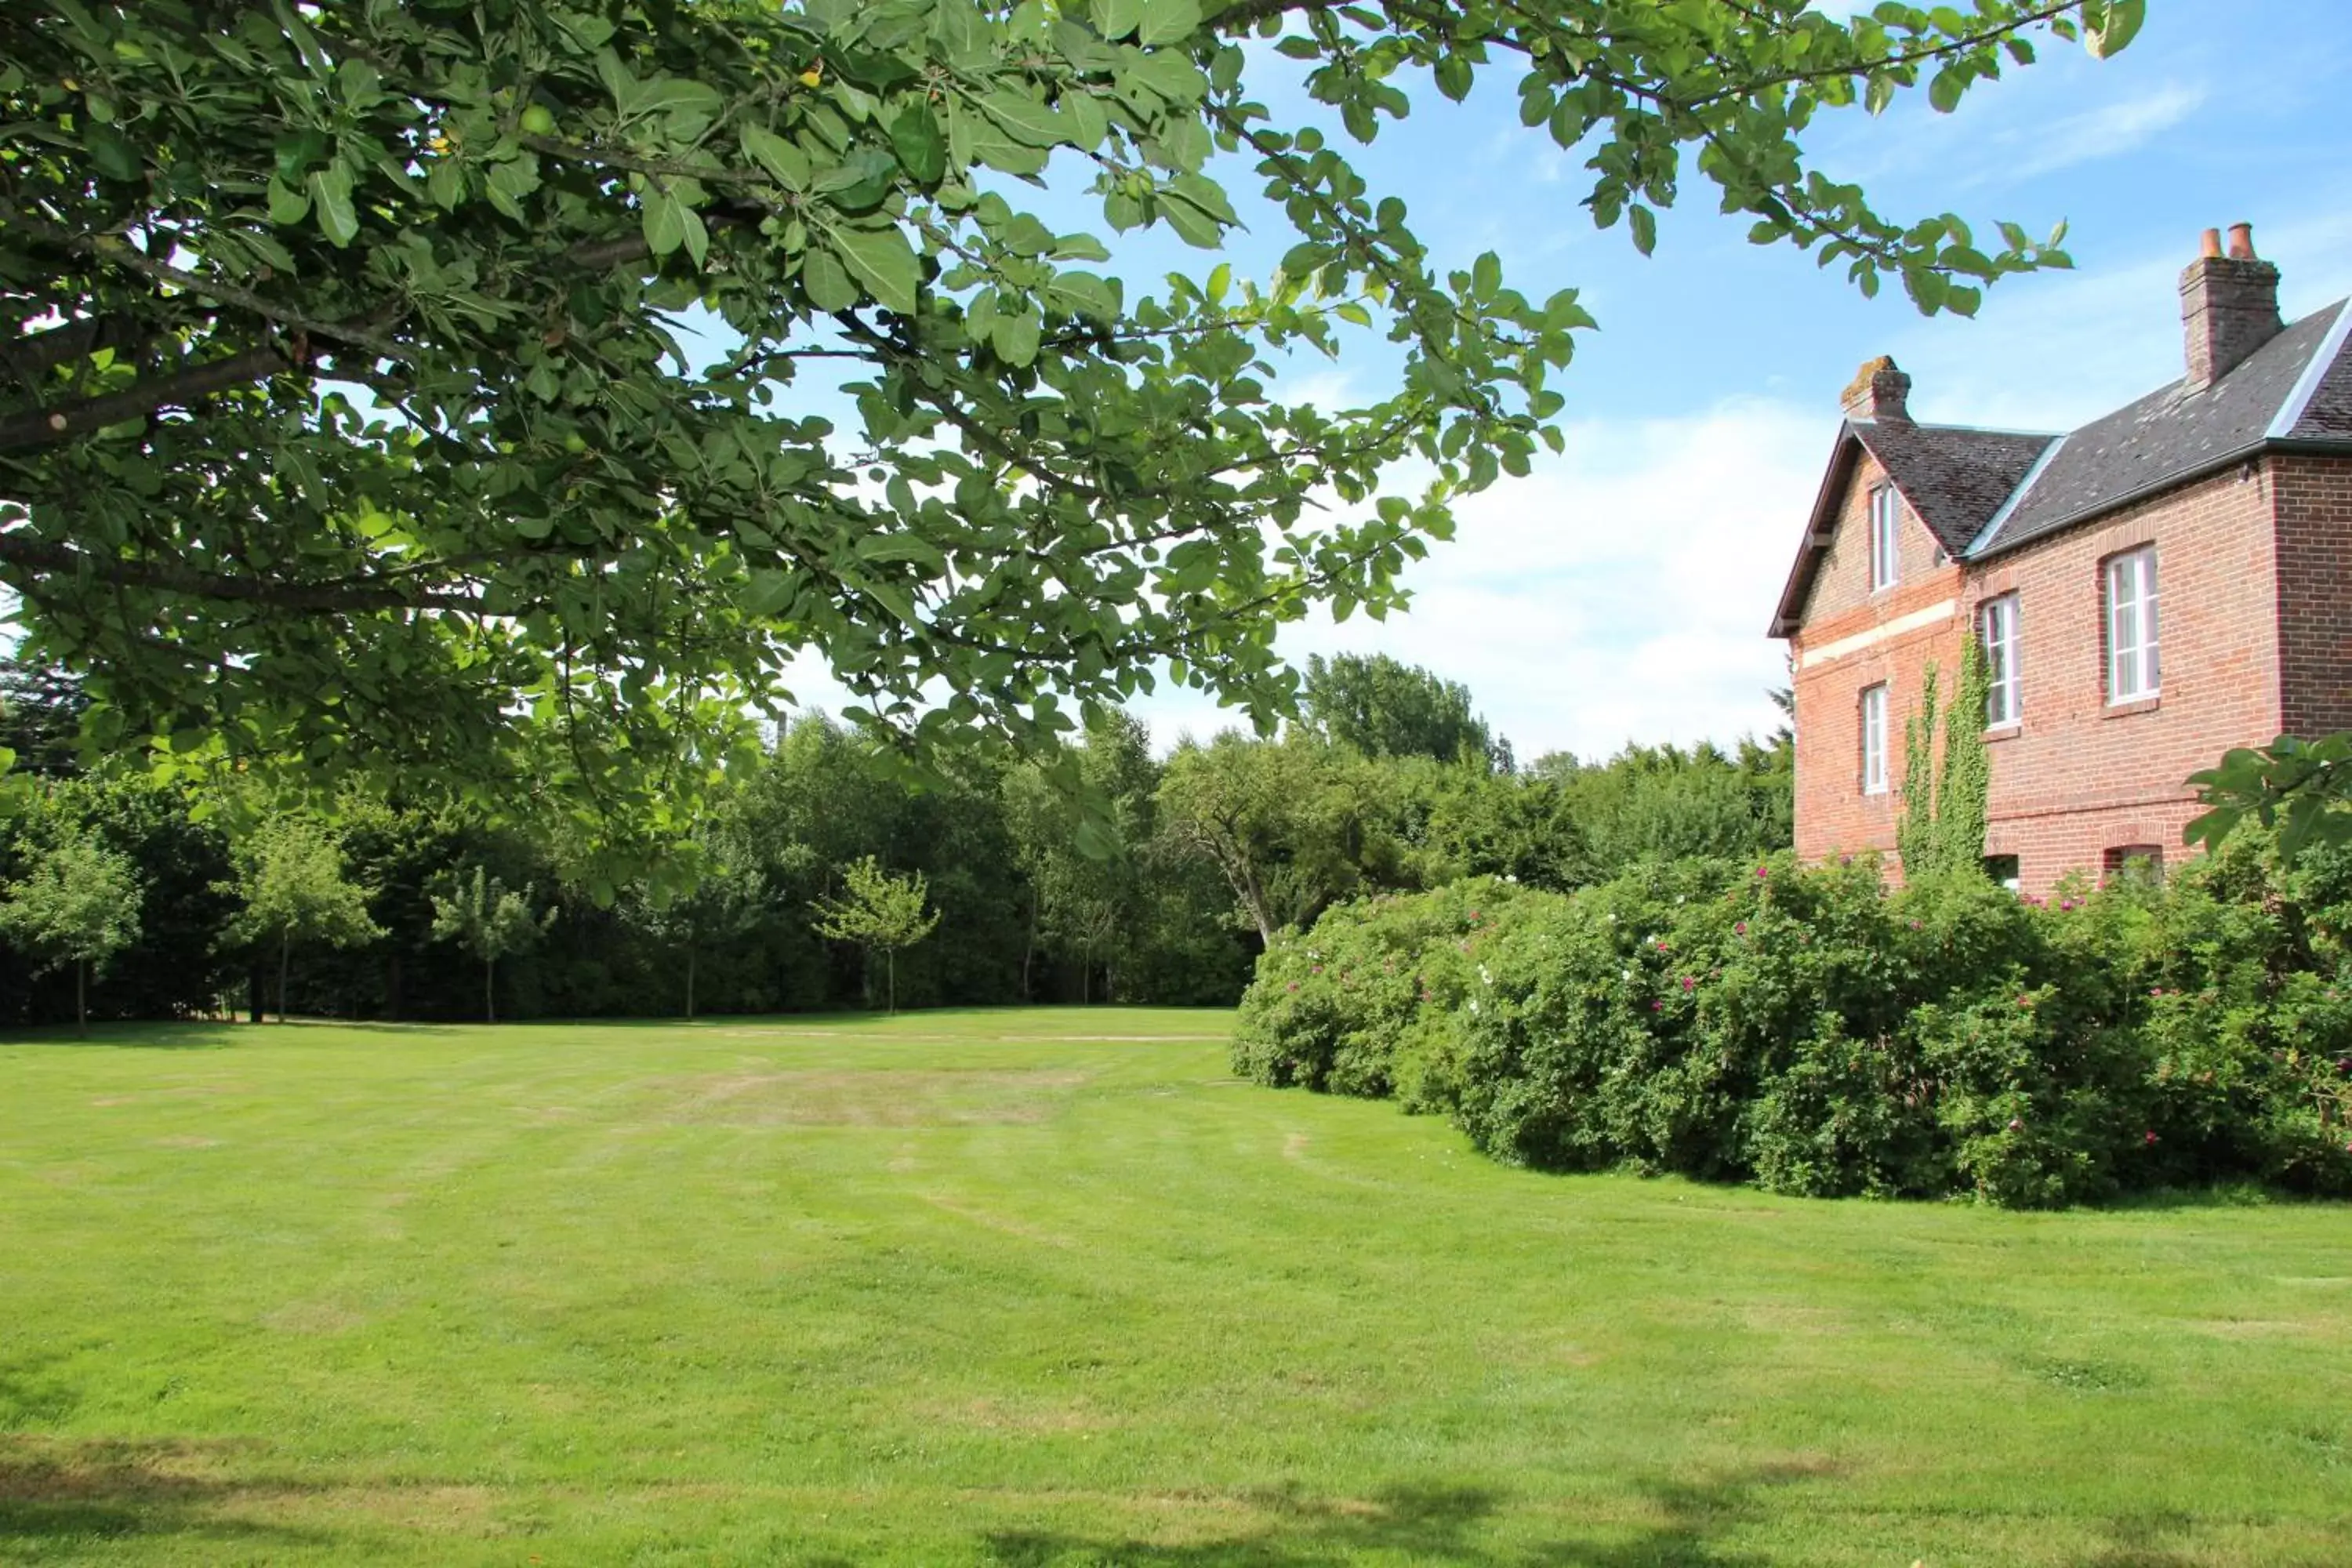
{"x":1168,"y":22}
{"x":1117,"y":19}
{"x":1083,"y":293}
{"x":671,"y":94}
{"x":444,"y":183}
{"x":2115,"y":28}
{"x":882,"y":261}
{"x":922,"y":150}
{"x":1015,"y":338}
{"x":1944,"y":91}
{"x":783,"y":161}
{"x":288,"y":206}
{"x":116,"y":155}
{"x":664,"y":220}
{"x":1192,"y":226}
{"x":1024,"y":117}
{"x":1452,"y":74}
{"x":331,"y":194}
{"x":295,"y":154}
{"x":828,"y":282}
{"x":1646,"y":227}
{"x":890,"y":546}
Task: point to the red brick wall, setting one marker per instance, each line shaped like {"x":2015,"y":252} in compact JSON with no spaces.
{"x":1841,"y":582}
{"x":2079,"y":776}
{"x":2076,"y":777}
{"x":1832,"y":813}
{"x":2314,"y":609}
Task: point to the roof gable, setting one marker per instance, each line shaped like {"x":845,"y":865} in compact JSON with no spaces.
{"x":1953,"y":477}
{"x":1980,"y":492}
{"x":2322,"y":409}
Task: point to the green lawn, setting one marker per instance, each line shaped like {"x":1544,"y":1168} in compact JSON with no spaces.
{"x":1050,"y":1287}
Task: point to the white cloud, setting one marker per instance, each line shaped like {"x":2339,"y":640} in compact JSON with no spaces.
{"x":2106,"y":132}
{"x":1618,"y":592}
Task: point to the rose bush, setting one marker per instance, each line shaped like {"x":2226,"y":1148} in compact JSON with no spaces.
{"x":1812,"y":1031}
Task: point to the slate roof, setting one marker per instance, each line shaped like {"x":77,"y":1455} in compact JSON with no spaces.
{"x":1955,"y":477}
{"x":2327,"y":416}
{"x":1982,"y":492}
{"x":2168,"y":436}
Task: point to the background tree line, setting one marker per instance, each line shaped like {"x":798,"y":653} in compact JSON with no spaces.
{"x":1107,"y":874}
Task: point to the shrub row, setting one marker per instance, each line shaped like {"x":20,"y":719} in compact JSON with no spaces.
{"x":1811,"y":1032}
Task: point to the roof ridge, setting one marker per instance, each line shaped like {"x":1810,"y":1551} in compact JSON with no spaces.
{"x":1990,"y":430}
{"x":1991,"y":529}
{"x":2307,"y":386}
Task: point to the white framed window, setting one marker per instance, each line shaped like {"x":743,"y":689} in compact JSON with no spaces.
{"x":2131,"y":625}
{"x":1873,"y":739}
{"x":2005,"y":693}
{"x":1885,"y":536}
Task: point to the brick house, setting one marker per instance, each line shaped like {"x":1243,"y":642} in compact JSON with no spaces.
{"x":2225,"y":498}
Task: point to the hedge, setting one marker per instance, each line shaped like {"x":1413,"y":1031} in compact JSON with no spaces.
{"x":1810,"y":1031}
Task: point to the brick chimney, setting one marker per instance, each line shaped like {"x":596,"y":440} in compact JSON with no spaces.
{"x":2229,"y":306}
{"x":1877,"y":391}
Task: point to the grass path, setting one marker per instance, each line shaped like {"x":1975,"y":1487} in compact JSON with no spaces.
{"x":1040,"y":1289}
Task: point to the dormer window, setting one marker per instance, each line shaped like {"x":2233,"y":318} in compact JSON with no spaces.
{"x":1884,"y":534}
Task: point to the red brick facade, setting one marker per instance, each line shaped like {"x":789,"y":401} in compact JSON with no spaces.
{"x":2235,"y":479}
{"x":2314,"y":607}
{"x":2254,"y":573}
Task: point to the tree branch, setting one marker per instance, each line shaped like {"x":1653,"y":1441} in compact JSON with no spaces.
{"x":116,"y":252}
{"x":35,"y":355}
{"x":18,"y":548}
{"x":46,"y":427}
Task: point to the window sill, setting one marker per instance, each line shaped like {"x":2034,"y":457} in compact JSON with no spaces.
{"x":2125,"y":709}
{"x":1995,"y":733}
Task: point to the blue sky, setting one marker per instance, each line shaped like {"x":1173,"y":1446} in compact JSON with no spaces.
{"x":1621,"y":591}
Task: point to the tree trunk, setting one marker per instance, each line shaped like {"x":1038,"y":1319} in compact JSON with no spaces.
{"x":81,"y":999}
{"x":1254,"y":900}
{"x":285,"y":948}
{"x":491,"y":990}
{"x":1029,"y":949}
{"x":689,"y":982}
{"x":889,"y":981}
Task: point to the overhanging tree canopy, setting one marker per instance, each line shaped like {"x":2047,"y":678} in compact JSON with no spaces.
{"x":347,"y":409}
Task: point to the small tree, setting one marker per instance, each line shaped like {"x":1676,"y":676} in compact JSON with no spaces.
{"x":289,"y":872}
{"x":78,"y":905}
{"x":490,"y":921}
{"x":879,"y":912}
{"x":726,"y":901}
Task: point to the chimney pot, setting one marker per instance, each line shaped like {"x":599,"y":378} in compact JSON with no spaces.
{"x":1878,"y":393}
{"x":2229,"y":307}
{"x":2212,"y":245}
